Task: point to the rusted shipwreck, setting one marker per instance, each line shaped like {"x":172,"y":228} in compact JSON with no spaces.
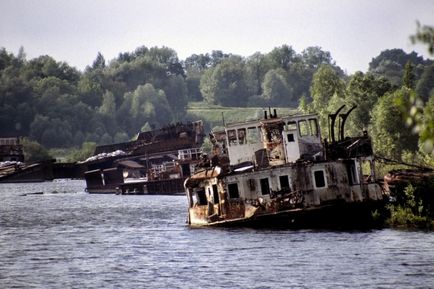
{"x":277,"y":171}
{"x":157,"y":162}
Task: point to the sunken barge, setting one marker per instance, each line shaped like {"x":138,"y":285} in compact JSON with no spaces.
{"x":277,"y":171}
{"x":157,"y":162}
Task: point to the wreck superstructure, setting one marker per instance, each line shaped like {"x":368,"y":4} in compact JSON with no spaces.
{"x":277,"y":171}
{"x":157,"y":162}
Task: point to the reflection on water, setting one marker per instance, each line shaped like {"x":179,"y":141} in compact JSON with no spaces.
{"x":62,"y":237}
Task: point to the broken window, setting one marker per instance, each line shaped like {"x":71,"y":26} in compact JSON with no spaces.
{"x":303,"y":128}
{"x":284,"y":182}
{"x":241,"y":135}
{"x":232,"y":137}
{"x":313,"y":126}
{"x":291,"y":125}
{"x":319,"y":179}
{"x":253,"y":135}
{"x":233,"y":191}
{"x":265,"y":186}
{"x":201,"y":197}
{"x":215,"y":194}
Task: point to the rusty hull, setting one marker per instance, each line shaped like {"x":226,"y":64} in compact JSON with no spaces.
{"x":279,"y":204}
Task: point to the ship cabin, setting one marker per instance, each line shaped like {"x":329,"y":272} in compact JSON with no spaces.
{"x":274,"y":140}
{"x":267,"y":178}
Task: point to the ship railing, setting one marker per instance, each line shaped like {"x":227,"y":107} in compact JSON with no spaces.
{"x":189,"y":154}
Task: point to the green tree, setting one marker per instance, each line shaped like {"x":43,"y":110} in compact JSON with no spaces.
{"x":33,"y":151}
{"x":387,"y":123}
{"x":257,"y":66}
{"x":197,"y":63}
{"x":87,"y":150}
{"x":208,"y":86}
{"x":108,"y":105}
{"x":424,"y":35}
{"x":99,"y":62}
{"x":276,"y":89}
{"x":426,"y":139}
{"x":326,"y":83}
{"x":391,"y":62}
{"x":192,"y":82}
{"x":409,"y":76}
{"x":90,"y":88}
{"x":282,"y":57}
{"x":195,"y":66}
{"x":364,"y":90}
{"x":313,"y":57}
{"x":149,"y":105}
{"x":425,"y":85}
{"x":226,"y":83}
{"x":175,"y":90}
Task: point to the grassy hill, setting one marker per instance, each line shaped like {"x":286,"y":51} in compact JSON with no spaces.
{"x":213,"y":115}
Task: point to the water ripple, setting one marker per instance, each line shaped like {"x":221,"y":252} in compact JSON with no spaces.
{"x":75,"y":240}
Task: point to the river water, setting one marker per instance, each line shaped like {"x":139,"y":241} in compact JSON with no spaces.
{"x":66,"y":238}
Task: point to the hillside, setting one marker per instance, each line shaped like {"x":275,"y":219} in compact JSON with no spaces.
{"x":213,"y":115}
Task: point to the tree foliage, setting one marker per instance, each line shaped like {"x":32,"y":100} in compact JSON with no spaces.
{"x":364,"y":90}
{"x":389,"y":137}
{"x":33,"y":151}
{"x":391,"y":63}
{"x":424,"y":35}
{"x":110,"y":101}
{"x":59,"y":106}
{"x":326,"y":84}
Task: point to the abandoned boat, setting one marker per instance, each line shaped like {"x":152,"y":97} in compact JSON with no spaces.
{"x":277,"y":172}
{"x":157,"y":162}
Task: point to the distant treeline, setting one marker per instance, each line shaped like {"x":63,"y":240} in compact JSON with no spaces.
{"x":59,"y":106}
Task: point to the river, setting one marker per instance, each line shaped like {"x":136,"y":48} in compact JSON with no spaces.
{"x":62,"y":237}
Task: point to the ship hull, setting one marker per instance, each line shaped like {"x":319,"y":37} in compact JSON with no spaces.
{"x":331,"y":216}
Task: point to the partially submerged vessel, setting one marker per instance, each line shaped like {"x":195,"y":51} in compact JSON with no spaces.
{"x":277,"y":171}
{"x":157,"y":162}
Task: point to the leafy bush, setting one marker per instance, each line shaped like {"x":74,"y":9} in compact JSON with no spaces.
{"x":412,"y":207}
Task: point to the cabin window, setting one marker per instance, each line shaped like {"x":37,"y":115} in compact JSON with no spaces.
{"x":319,"y":177}
{"x":291,"y":125}
{"x":185,"y":168}
{"x":265,"y":186}
{"x":201,"y":197}
{"x":303,"y":128}
{"x":233,"y":191}
{"x":252,"y":135}
{"x":242,"y":136}
{"x":313,"y":126}
{"x":290,"y":137}
{"x":215,"y":194}
{"x":232,"y":137}
{"x":284,"y":183}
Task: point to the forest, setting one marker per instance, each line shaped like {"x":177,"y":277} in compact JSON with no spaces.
{"x":57,"y":106}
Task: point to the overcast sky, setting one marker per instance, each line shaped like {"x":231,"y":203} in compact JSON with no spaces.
{"x":75,"y":31}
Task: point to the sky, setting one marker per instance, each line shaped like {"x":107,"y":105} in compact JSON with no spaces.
{"x":353,"y":31}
